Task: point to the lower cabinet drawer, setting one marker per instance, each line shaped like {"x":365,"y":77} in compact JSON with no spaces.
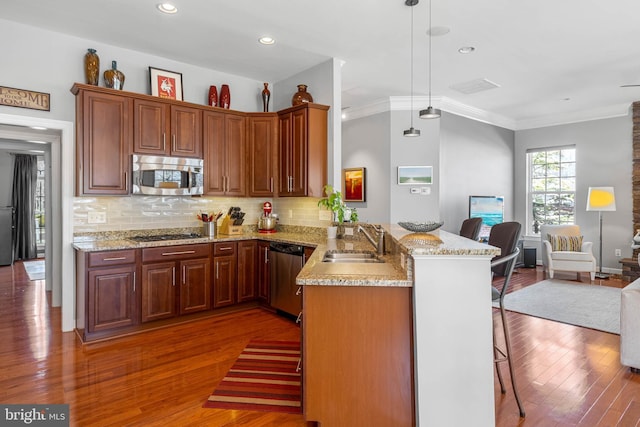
{"x":170,"y":253}
{"x":100,"y":259}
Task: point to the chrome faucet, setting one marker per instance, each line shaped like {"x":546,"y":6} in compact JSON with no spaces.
{"x":379,"y":245}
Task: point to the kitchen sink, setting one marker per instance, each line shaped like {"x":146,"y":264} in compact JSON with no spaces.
{"x":350,"y":256}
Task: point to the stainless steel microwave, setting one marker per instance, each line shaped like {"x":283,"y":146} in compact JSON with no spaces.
{"x":171,"y":176}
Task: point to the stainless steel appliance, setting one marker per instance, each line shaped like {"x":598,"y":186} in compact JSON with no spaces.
{"x":286,"y":261}
{"x":7,"y":218}
{"x":172,"y":176}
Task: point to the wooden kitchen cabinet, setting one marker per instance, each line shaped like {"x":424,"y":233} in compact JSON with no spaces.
{"x":264,"y":273}
{"x":303,"y":150}
{"x":164,"y":129}
{"x":175,"y":281}
{"x":224,"y":274}
{"x":372,"y":382}
{"x":224,"y":154}
{"x":106,"y":292}
{"x":103,"y":141}
{"x":262,"y":138}
{"x":247,"y":275}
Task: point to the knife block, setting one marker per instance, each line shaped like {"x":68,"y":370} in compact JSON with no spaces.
{"x":228,"y":228}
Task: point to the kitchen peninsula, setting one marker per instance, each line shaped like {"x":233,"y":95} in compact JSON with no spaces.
{"x":375,"y":351}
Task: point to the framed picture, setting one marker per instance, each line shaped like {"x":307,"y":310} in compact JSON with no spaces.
{"x":165,"y":84}
{"x":353,"y":184}
{"x":415,"y":175}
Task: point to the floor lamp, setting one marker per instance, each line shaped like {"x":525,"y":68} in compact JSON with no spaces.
{"x":601,"y":199}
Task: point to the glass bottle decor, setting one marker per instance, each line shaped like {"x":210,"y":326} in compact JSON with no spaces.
{"x":213,"y":96}
{"x":91,"y":67}
{"x":114,"y":78}
{"x":225,"y":97}
{"x":266,"y":94}
{"x":301,"y":96}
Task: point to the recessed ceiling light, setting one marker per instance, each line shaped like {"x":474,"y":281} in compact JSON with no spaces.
{"x":167,"y":8}
{"x":466,"y":49}
{"x":266,"y":40}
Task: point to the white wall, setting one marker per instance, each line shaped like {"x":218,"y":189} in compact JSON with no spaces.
{"x":415,"y":151}
{"x":366,"y":143}
{"x":476,"y":159}
{"x":603,"y":158}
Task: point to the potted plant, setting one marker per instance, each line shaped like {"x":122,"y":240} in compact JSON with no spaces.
{"x":334,"y":203}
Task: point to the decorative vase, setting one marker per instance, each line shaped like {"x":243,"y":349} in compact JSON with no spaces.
{"x":213,"y":96}
{"x":301,"y":96}
{"x":92,"y":67}
{"x":114,"y":78}
{"x":225,"y":96}
{"x":266,"y":94}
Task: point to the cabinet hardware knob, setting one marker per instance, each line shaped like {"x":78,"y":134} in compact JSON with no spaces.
{"x":178,"y":253}
{"x":299,"y":318}
{"x":120,"y":258}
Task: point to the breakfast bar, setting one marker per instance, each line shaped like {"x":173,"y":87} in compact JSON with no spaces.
{"x":414,"y":358}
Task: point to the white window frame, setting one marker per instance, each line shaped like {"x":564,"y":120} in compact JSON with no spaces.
{"x":530,"y":193}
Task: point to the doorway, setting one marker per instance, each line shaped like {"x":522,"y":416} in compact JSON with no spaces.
{"x":59,"y":255}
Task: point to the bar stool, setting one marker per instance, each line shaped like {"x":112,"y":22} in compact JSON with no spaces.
{"x":505,"y":236}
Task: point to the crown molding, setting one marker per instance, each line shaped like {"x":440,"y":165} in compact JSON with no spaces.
{"x":405,"y":103}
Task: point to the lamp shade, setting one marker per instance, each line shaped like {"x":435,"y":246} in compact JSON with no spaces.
{"x":601,"y":199}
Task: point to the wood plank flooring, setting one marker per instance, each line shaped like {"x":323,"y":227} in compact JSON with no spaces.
{"x":567,"y":375}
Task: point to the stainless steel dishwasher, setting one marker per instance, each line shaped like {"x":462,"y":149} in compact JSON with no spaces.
{"x":286,"y":261}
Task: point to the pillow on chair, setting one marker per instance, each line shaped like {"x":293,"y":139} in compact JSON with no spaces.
{"x":565,"y":243}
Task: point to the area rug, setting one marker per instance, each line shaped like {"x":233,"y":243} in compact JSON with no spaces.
{"x":35,"y":269}
{"x":263,"y":378}
{"x":589,"y":306}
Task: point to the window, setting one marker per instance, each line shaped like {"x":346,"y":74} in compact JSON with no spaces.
{"x":552,"y":187}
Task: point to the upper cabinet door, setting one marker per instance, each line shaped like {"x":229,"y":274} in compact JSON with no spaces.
{"x":186,"y":131}
{"x":151,"y":127}
{"x":214,"y":161}
{"x":104,"y":132}
{"x":262,"y":152}
{"x":236,"y":154}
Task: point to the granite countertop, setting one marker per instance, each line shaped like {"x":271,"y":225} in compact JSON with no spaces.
{"x":396,"y":270}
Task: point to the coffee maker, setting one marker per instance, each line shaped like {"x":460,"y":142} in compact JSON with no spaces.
{"x":267,"y":222}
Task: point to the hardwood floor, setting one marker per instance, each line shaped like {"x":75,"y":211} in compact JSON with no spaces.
{"x":566,"y":375}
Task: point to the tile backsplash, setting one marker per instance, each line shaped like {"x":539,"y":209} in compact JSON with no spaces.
{"x":152,"y":212}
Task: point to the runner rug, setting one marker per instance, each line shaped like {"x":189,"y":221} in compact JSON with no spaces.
{"x":263,"y":378}
{"x":34,"y":269}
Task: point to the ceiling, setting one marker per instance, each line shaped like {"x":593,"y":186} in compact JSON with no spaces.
{"x":553,"y":61}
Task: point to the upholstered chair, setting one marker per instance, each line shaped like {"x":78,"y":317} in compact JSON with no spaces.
{"x":563,"y":249}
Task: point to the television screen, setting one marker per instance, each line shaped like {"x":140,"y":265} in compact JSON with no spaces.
{"x":490,"y":209}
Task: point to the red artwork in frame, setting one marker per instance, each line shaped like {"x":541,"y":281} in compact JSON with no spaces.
{"x":353,"y":180}
{"x":165,"y":84}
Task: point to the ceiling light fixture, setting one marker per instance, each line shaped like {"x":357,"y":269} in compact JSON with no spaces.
{"x":167,"y":8}
{"x":430,"y":112}
{"x":466,"y":49}
{"x":411,"y":131}
{"x":267,"y":40}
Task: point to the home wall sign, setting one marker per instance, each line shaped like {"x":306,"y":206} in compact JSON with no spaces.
{"x":23,"y":98}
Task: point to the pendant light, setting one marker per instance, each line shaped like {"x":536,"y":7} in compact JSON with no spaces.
{"x":411,"y":132}
{"x":430,"y":112}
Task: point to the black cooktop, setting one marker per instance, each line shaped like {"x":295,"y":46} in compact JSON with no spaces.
{"x":161,"y":237}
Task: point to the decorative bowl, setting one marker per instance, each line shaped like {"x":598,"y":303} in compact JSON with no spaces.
{"x":421,"y":227}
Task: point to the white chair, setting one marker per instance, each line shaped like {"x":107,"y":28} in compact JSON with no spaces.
{"x":579,"y":260}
